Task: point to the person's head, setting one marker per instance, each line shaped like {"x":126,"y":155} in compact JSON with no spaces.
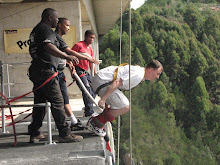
{"x":89,"y":37}
{"x":50,"y":17}
{"x":153,"y":70}
{"x":63,"y":26}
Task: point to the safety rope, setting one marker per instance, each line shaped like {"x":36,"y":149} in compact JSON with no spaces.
{"x":54,"y":75}
{"x":19,"y":113}
{"x":71,"y":83}
{"x":130,"y":80}
{"x":19,"y":120}
{"x":119,"y":117}
{"x":8,"y":117}
{"x":12,"y":119}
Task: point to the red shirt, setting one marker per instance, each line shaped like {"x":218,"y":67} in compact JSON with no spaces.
{"x":82,"y":47}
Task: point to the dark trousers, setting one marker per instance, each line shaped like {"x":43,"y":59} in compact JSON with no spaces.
{"x":87,"y":79}
{"x":63,"y":87}
{"x":49,"y":92}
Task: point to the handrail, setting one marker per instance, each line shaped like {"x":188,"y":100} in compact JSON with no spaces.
{"x":47,"y":106}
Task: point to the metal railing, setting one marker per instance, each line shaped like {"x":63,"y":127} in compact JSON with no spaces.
{"x":8,"y":88}
{"x":5,"y":77}
{"x":47,"y":106}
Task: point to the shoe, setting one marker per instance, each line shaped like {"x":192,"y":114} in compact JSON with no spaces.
{"x":91,"y":127}
{"x":36,"y":139}
{"x":70,"y":138}
{"x":92,"y":115}
{"x":78,"y":126}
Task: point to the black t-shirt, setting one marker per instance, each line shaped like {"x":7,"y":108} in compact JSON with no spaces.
{"x":40,"y":35}
{"x":62,"y":43}
{"x":62,"y":46}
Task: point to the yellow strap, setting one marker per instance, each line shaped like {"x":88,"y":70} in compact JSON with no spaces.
{"x":116,"y":70}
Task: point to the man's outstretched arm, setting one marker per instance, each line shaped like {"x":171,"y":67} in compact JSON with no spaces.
{"x":80,"y":56}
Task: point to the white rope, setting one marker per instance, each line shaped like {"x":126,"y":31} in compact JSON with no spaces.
{"x":130,"y":79}
{"x":119,"y":118}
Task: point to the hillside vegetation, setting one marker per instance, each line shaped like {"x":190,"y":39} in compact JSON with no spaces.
{"x":176,"y":120}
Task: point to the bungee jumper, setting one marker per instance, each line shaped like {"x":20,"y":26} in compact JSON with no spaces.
{"x":109,"y":81}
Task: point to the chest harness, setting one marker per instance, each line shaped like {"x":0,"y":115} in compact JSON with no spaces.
{"x":114,"y":78}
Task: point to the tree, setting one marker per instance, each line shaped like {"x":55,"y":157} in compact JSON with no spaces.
{"x":137,"y":22}
{"x":108,"y":58}
{"x":205,"y":39}
{"x":194,"y":19}
{"x":197,"y":66}
{"x":125,"y":48}
{"x":212,"y":77}
{"x":111,"y":40}
{"x":207,"y":54}
{"x":137,"y":58}
{"x":211,"y":23}
{"x":146,"y":45}
{"x":213,"y":46}
{"x":213,"y":121}
{"x":159,"y":95}
{"x":198,"y":108}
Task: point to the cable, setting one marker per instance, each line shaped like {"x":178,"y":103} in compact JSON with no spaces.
{"x":130,"y":80}
{"x":119,"y":117}
{"x":119,"y":126}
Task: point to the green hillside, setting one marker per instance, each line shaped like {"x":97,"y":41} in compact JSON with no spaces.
{"x":176,"y":120}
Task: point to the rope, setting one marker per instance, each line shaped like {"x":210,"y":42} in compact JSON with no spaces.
{"x":19,"y":113}
{"x":19,"y":120}
{"x":71,"y":83}
{"x":54,"y":75}
{"x":12,"y":119}
{"x":119,"y":117}
{"x":130,"y":79}
{"x":9,"y":116}
{"x":8,"y":102}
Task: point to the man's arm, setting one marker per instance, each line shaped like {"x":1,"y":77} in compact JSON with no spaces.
{"x":94,"y":70}
{"x":80,"y":56}
{"x":54,"y":51}
{"x":115,"y":85}
{"x":71,"y":68}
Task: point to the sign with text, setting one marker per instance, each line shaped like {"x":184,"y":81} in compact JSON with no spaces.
{"x":17,"y":41}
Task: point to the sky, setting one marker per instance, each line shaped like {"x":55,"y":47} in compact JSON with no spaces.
{"x":136,"y":3}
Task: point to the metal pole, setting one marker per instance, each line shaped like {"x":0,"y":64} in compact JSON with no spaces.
{"x":92,"y":71}
{"x":49,"y":123}
{"x":8,"y":82}
{"x":2,"y":101}
{"x":85,"y":90}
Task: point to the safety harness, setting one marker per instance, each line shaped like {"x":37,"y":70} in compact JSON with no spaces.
{"x":114,"y":78}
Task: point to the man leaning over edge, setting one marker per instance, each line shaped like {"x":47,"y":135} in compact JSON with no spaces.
{"x":116,"y":79}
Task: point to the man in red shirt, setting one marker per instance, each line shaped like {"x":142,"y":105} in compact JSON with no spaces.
{"x":84,"y":47}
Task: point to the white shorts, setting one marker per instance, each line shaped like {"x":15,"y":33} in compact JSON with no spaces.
{"x":116,"y":100}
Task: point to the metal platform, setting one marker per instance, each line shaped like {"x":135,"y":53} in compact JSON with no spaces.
{"x":90,"y":151}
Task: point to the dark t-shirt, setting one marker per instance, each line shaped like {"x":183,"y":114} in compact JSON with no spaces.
{"x":40,"y":35}
{"x":62,"y":46}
